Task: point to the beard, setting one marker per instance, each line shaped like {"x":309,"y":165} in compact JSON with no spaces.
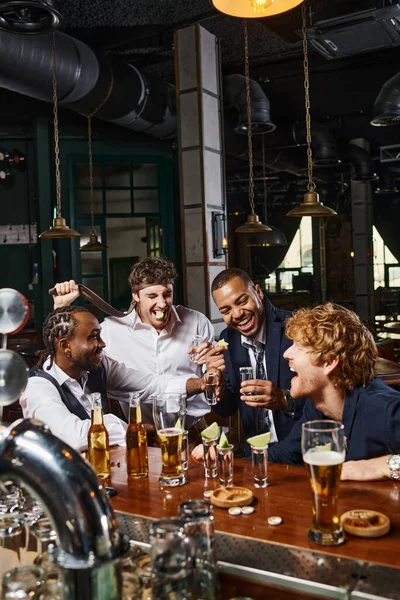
{"x":87,"y":362}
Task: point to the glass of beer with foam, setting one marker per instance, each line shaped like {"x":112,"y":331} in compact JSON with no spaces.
{"x":168,"y":413}
{"x":323,"y":448}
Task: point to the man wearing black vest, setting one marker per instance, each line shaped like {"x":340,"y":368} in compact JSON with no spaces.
{"x":72,"y":366}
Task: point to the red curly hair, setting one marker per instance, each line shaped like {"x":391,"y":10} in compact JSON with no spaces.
{"x":332,"y":331}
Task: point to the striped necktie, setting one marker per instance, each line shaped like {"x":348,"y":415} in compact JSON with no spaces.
{"x":262,"y":414}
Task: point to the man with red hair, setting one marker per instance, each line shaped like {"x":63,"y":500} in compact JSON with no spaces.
{"x":332,"y":358}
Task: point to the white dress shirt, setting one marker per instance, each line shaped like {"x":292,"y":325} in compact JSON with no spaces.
{"x":41,"y":400}
{"x":139,"y":346}
{"x":248,"y":343}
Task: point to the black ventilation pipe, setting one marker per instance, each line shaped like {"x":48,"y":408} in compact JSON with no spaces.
{"x":387,"y":104}
{"x":362,"y":163}
{"x":235,"y":95}
{"x":84,"y":80}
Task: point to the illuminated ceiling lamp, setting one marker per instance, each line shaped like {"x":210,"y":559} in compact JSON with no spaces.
{"x":274,"y":237}
{"x":253,"y":223}
{"x":311,"y":206}
{"x":254,"y":9}
{"x":93,"y":245}
{"x":59,"y":229}
{"x":29,"y":16}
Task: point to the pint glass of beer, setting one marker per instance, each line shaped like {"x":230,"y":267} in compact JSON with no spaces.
{"x":323,"y":449}
{"x":168,"y":413}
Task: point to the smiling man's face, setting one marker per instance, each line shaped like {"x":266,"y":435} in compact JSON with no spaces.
{"x":154,"y":304}
{"x":241,"y":305}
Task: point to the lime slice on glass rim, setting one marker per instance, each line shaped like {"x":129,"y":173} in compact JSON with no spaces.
{"x":223,"y":441}
{"x":211,"y":432}
{"x":260,"y":441}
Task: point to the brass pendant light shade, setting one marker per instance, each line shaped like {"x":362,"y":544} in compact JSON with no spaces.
{"x":59,"y":229}
{"x":311,"y":207}
{"x":254,"y":9}
{"x":253,"y":225}
{"x":273,"y":237}
{"x":93,"y":245}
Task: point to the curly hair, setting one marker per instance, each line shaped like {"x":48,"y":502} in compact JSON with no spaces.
{"x":153,"y":270}
{"x":60,"y":323}
{"x":331,"y":331}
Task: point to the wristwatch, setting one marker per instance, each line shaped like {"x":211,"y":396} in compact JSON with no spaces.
{"x":394,"y":466}
{"x":289,"y":400}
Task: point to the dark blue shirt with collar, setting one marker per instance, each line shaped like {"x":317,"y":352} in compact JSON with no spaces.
{"x":278,"y":371}
{"x":371,"y":419}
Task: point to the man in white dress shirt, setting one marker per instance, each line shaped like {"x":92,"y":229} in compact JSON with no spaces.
{"x":72,"y":366}
{"x":155,"y":337}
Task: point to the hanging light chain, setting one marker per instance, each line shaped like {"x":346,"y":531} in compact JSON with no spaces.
{"x":265,"y":190}
{"x":311,"y":185}
{"x":249,"y":130}
{"x":56,"y":128}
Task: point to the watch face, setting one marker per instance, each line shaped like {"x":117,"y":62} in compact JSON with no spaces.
{"x":394,"y":461}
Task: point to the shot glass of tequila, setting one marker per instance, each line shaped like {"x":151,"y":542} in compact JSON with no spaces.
{"x":259,"y":458}
{"x":225,"y":465}
{"x":246,"y":374}
{"x":211,"y":381}
{"x":210,"y":457}
{"x":197,"y":341}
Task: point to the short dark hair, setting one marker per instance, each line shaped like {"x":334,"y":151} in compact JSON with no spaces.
{"x":153,"y":270}
{"x":59,"y":323}
{"x":222,"y":278}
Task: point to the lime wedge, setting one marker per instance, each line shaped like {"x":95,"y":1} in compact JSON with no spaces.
{"x":211,"y":432}
{"x":259,"y":441}
{"x":223,"y":343}
{"x":178,"y":424}
{"x":323,"y":447}
{"x":223,"y":441}
{"x":159,"y":315}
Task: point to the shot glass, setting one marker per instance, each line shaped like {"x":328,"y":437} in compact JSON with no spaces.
{"x":185,"y":451}
{"x":259,"y":458}
{"x":210,"y":458}
{"x":22,"y":582}
{"x":225,"y":465}
{"x":197,"y":341}
{"x":246,"y":374}
{"x":211,"y":381}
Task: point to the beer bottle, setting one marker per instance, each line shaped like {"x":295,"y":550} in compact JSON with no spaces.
{"x":98,"y":444}
{"x":136,"y":441}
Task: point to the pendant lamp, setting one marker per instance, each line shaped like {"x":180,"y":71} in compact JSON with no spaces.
{"x":93,"y":245}
{"x":59,"y":229}
{"x":254,"y":9}
{"x":274,"y":237}
{"x":253,"y":223}
{"x":311,"y":206}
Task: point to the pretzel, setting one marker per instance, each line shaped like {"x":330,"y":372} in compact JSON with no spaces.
{"x":233,"y":496}
{"x":365,"y":523}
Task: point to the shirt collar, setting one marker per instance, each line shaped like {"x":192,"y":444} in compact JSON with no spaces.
{"x":258,"y":340}
{"x":137,"y":322}
{"x":60,"y":376}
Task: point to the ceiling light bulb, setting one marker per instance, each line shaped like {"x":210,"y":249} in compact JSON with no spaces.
{"x":259,"y":5}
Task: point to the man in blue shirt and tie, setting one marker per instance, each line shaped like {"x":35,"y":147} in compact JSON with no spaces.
{"x":256,"y":338}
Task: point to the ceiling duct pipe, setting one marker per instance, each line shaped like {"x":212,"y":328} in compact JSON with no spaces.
{"x":84,"y":80}
{"x":235,"y":95}
{"x":387,"y":104}
{"x":362,"y":163}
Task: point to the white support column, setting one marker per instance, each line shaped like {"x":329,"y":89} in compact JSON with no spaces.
{"x":361,"y":208}
{"x":201,"y":162}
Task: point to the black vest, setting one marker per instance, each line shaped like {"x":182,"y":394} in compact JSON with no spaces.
{"x":96,"y":383}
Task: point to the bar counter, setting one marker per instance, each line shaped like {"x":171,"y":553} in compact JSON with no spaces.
{"x":359,"y":566}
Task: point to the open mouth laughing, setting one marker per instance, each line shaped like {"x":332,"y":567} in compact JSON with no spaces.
{"x":245,"y":324}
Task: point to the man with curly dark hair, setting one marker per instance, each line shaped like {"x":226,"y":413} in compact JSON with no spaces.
{"x":156,"y":336}
{"x":332,"y":357}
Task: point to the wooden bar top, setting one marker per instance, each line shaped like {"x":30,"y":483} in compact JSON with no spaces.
{"x":288,"y":495}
